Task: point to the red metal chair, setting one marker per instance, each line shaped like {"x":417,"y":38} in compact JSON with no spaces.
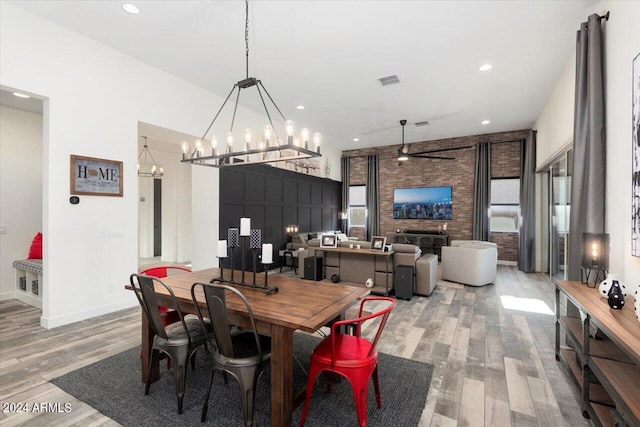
{"x":167,"y":315}
{"x":351,"y":356}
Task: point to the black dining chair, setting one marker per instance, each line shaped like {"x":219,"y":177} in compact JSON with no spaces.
{"x":179,"y":340}
{"x":243,"y":353}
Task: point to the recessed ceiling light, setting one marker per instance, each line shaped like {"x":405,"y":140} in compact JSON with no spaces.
{"x":356,"y":139}
{"x":131,"y":8}
{"x":20,"y":95}
{"x":300,"y":107}
{"x":485,"y":67}
{"x":485,"y":122}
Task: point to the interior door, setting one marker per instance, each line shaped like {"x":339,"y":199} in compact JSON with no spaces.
{"x":157,"y":217}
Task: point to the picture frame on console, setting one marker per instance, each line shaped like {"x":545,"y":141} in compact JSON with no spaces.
{"x":378,"y":243}
{"x":329,"y":241}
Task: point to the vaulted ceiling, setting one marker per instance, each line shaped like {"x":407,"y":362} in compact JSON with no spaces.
{"x":329,"y":55}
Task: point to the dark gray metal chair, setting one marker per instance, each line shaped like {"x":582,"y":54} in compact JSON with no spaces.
{"x":242,"y":353}
{"x":178,"y":340}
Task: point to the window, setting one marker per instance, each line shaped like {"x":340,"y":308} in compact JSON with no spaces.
{"x":504,"y":213}
{"x":357,"y":206}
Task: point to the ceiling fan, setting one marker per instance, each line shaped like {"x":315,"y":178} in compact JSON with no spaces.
{"x":403,"y":151}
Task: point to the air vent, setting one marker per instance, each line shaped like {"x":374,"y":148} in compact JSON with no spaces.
{"x":422,"y":123}
{"x":389,"y":80}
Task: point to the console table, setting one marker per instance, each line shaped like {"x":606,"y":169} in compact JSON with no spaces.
{"x":606,"y":370}
{"x":379,"y":289}
{"x":429,"y":242}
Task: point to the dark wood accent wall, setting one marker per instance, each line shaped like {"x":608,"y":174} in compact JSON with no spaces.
{"x":273,"y":198}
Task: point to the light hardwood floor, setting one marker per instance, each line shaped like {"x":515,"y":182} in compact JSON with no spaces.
{"x":494,"y":366}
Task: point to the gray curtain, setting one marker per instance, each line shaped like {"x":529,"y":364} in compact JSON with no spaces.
{"x":345,"y":191}
{"x":482,"y":193}
{"x":527,"y":235}
{"x":589,"y":145}
{"x":373,"y":204}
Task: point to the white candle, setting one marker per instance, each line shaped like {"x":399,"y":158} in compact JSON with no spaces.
{"x":245,"y":226}
{"x":222,"y":248}
{"x":267,"y":253}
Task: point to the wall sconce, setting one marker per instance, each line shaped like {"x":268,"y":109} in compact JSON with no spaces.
{"x":595,"y":257}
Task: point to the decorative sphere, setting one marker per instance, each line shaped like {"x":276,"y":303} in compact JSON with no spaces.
{"x":605,"y":286}
{"x":369,"y":283}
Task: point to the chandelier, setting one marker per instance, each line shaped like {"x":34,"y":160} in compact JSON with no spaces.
{"x":261,"y":147}
{"x":145,"y":169}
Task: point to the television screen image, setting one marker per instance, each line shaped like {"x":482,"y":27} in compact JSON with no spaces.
{"x":422,"y":203}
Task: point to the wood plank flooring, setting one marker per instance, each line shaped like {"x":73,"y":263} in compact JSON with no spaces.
{"x":493,"y":366}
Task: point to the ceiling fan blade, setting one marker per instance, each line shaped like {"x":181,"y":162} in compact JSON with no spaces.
{"x":426,"y":156}
{"x":442,"y":150}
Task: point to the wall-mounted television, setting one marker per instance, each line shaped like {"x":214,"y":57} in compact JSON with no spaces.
{"x":422,"y":203}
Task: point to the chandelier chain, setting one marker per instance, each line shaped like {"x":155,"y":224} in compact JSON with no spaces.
{"x":246,"y":35}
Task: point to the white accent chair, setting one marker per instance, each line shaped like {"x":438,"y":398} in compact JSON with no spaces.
{"x":471,"y":262}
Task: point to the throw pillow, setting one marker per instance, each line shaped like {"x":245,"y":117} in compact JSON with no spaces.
{"x":35,"y":252}
{"x":312,"y":236}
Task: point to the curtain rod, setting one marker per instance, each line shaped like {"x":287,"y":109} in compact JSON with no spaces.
{"x":452,"y":149}
{"x":605,"y":16}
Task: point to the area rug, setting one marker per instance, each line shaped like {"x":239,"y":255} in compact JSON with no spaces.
{"x":113,"y":387}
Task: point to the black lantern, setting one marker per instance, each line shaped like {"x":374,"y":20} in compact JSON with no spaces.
{"x":595,"y":257}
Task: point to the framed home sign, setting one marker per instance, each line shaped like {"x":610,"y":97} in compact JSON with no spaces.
{"x":96,"y":177}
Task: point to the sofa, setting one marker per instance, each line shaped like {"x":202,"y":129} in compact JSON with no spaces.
{"x":470,"y":262}
{"x":355,"y":268}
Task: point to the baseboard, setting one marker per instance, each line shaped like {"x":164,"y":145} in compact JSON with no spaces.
{"x":54,"y":322}
{"x":512,"y":263}
{"x":7,"y":295}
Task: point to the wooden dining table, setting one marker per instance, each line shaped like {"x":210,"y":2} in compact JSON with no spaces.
{"x":298,"y":305}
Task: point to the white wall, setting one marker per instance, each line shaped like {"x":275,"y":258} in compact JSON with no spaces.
{"x":20,"y":189}
{"x":555,"y":127}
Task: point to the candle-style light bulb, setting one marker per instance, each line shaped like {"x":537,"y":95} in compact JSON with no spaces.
{"x":304,"y":134}
{"x":199,"y":148}
{"x":289,"y":127}
{"x":267,"y":134}
{"x":229,"y":142}
{"x":184,"y":149}
{"x":153,"y":169}
{"x":138,"y":166}
{"x":161,"y":170}
{"x":247,"y":142}
{"x":214,"y":145}
{"x":317,"y":140}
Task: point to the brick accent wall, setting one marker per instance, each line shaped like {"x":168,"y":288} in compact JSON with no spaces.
{"x":459,"y":174}
{"x":507,"y":245}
